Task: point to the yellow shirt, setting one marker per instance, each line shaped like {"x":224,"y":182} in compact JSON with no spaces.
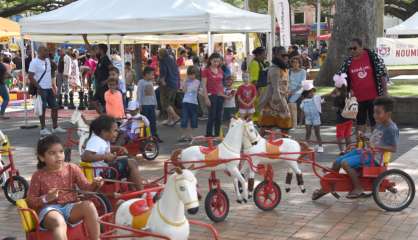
{"x":254,"y":70}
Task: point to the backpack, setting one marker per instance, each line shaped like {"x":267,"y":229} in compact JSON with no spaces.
{"x":351,"y":108}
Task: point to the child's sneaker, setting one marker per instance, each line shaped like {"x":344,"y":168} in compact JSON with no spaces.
{"x":320,"y":149}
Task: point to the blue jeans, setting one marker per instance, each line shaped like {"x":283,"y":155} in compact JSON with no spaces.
{"x":215,"y":115}
{"x":4,"y":93}
{"x":149,"y":112}
{"x":188,"y":113}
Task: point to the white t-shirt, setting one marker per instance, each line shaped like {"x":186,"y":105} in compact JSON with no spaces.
{"x":37,"y":67}
{"x":100,"y":146}
{"x":229,"y":103}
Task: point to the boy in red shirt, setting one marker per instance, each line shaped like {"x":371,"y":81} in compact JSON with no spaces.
{"x":246,"y":94}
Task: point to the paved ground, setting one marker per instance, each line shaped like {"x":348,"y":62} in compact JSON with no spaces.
{"x":297,"y":217}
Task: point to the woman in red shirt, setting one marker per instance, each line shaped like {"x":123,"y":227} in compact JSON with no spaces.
{"x":55,"y":206}
{"x":213,"y":93}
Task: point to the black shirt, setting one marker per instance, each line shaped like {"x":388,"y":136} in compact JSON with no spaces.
{"x":102,"y":71}
{"x":61,"y":65}
{"x":339,"y":104}
{"x":3,"y":71}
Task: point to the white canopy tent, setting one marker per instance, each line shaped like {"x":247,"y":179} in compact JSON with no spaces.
{"x":124,"y":18}
{"x":127,"y":17}
{"x":141,"y":39}
{"x":408,"y":27}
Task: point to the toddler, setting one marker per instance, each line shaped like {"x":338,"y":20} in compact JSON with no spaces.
{"x":246,"y":94}
{"x":311,"y":108}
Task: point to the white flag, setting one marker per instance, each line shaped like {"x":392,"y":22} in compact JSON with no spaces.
{"x":281,"y":10}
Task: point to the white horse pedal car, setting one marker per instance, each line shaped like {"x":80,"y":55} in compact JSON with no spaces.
{"x":166,"y":217}
{"x":226,"y":156}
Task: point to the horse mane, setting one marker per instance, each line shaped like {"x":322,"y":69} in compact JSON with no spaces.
{"x":304,"y":149}
{"x":174,"y":158}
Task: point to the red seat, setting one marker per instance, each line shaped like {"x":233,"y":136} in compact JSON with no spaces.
{"x":31,"y":225}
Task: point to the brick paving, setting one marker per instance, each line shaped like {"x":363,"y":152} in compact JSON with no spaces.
{"x":296,"y":217}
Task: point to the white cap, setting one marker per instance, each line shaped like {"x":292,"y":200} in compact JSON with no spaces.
{"x":133,"y":105}
{"x":307,"y":85}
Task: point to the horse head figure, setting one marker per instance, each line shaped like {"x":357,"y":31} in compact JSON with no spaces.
{"x":167,"y":216}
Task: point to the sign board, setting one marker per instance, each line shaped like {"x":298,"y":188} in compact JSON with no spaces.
{"x":394,"y":51}
{"x":281,"y":11}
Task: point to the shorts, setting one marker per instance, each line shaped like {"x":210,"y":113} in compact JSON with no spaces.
{"x":356,"y":159}
{"x":344,"y":130}
{"x":167,"y":97}
{"x":365,"y":112}
{"x":48,"y":99}
{"x":245,"y":111}
{"x":189,"y":113}
{"x":63,"y":209}
{"x":121,"y":165}
{"x":228,"y":114}
{"x":313,"y":120}
{"x":130,"y":87}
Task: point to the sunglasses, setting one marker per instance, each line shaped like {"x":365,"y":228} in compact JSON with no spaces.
{"x":352,"y":48}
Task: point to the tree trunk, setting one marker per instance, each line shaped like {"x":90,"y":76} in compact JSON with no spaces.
{"x":353,"y":19}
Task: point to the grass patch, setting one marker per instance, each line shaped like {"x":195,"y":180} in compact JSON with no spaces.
{"x":397,"y":90}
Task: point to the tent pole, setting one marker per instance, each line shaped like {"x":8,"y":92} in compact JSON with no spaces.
{"x":247,"y":35}
{"x":25,"y":92}
{"x":122,"y":55}
{"x":223,"y":47}
{"x":210,"y":43}
{"x":108,"y":45}
{"x":32,"y":47}
{"x":269,"y":46}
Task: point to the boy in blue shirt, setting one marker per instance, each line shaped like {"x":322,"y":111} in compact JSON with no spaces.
{"x":385,"y":138}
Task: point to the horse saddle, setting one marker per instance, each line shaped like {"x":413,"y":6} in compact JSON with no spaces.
{"x":273,"y":147}
{"x":140,"y":213}
{"x":211,"y":154}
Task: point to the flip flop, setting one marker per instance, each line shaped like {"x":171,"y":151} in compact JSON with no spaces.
{"x":317,"y":194}
{"x":174,"y":123}
{"x":354,"y":196}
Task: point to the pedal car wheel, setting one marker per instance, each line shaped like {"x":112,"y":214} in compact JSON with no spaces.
{"x":101,"y":202}
{"x":67,"y":154}
{"x":217,"y":205}
{"x":150,"y":149}
{"x":267,"y":195}
{"x":15,"y":188}
{"x":393,"y":190}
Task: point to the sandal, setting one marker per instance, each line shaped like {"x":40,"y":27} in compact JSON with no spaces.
{"x":317,"y":194}
{"x":356,"y":195}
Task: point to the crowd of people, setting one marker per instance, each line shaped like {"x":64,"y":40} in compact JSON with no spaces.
{"x":273,"y":94}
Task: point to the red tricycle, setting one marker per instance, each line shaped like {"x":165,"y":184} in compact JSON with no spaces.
{"x":141,"y":143}
{"x":108,"y":196}
{"x":14,"y":186}
{"x":392,"y":189}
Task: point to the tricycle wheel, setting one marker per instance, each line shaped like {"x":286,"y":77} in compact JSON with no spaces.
{"x":393,"y":190}
{"x":15,"y":188}
{"x":267,"y":195}
{"x":101,"y":202}
{"x":150,"y":149}
{"x":67,"y":154}
{"x":217,"y":205}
